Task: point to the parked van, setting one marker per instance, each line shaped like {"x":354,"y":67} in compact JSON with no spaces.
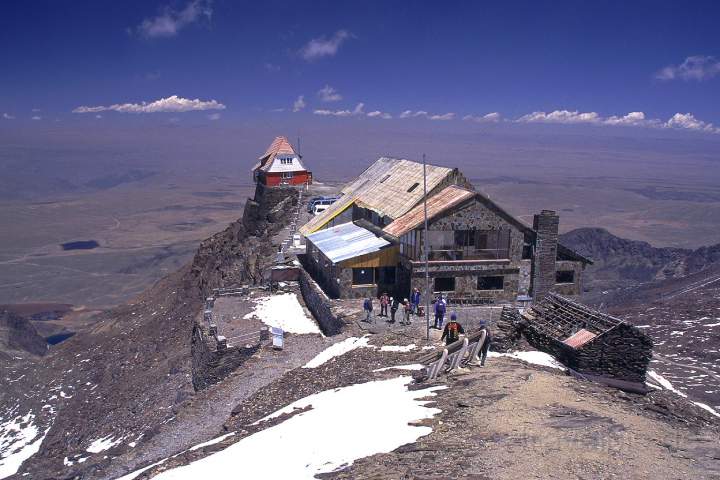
{"x":319,"y":208}
{"x":320,"y":201}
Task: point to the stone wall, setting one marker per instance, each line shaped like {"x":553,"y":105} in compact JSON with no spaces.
{"x":623,"y":353}
{"x":475,"y":216}
{"x":569,"y":289}
{"x":210,"y":365}
{"x":319,"y":305}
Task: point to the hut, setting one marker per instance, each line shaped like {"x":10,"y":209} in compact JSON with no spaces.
{"x":587,"y":341}
{"x":281,"y":165}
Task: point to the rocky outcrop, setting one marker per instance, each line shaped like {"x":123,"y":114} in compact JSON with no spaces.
{"x":242,"y":252}
{"x":18,"y":334}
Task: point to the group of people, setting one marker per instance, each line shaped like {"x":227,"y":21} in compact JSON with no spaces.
{"x":451,"y":331}
{"x":408,"y":307}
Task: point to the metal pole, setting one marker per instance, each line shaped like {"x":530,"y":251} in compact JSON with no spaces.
{"x":425,"y":252}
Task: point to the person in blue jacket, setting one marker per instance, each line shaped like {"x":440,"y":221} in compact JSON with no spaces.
{"x":415,"y":300}
{"x":368,"y":307}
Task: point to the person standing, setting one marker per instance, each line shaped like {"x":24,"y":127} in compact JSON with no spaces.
{"x":486,"y":343}
{"x":452,"y":330}
{"x":439,"y":312}
{"x":394,"y":305}
{"x":368,"y":307}
{"x":408,"y":310}
{"x":384,"y":300}
{"x":415,"y":300}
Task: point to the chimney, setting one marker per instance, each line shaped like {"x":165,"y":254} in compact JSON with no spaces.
{"x":546,"y":225}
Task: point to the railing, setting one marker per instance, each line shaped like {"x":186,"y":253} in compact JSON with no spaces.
{"x":468,"y":254}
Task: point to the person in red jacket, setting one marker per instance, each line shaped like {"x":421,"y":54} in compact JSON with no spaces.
{"x":384,"y":301}
{"x":452,"y":330}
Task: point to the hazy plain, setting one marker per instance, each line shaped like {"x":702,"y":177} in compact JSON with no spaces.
{"x":148,"y":196}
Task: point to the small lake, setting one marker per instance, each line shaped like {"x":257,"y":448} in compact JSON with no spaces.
{"x":80,"y":245}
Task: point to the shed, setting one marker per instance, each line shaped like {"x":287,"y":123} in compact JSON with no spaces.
{"x":587,"y":340}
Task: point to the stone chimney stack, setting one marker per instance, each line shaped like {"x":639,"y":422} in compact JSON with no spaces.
{"x":546,"y":224}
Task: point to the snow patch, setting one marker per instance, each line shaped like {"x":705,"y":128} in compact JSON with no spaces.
{"x":20,"y":439}
{"x":398,"y":348}
{"x":338,"y":438}
{"x":283,"y":311}
{"x":533,"y":357}
{"x":211,"y":442}
{"x":102,"y":444}
{"x":665,"y":383}
{"x":340,"y":348}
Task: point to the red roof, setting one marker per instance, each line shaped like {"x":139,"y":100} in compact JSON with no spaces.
{"x":579,"y":338}
{"x":279,"y":145}
{"x":438,"y":203}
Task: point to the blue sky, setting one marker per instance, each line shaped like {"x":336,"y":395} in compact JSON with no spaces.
{"x":452,"y":60}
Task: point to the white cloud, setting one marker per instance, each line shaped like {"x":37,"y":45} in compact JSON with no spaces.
{"x":632,"y":119}
{"x":84,"y":109}
{"x":413,"y":114}
{"x":324,"y":47}
{"x":98,"y":116}
{"x":299,"y":104}
{"x":358,"y":110}
{"x":329,"y":94}
{"x":697,"y":67}
{"x":7,"y":116}
{"x":36,"y":117}
{"x":169,"y":22}
{"x":214,"y":116}
{"x":378,"y":113}
{"x":560,"y":116}
{"x":445,"y":116}
{"x":688,"y":121}
{"x":683,"y":121}
{"x":172,"y":103}
{"x":493,"y":117}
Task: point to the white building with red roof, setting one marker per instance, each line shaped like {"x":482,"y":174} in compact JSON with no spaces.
{"x":281,"y":165}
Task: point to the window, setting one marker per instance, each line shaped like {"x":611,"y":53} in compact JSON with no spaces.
{"x":363,"y":276}
{"x":527,"y":252}
{"x":494,"y":282}
{"x":444,"y":284}
{"x":287,"y":175}
{"x":286,"y":161}
{"x":565,"y":276}
{"x":384,"y":178}
{"x":413,"y":187}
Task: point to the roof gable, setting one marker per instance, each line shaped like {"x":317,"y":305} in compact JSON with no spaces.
{"x":438,"y":203}
{"x":278,"y":147}
{"x":390,"y":186}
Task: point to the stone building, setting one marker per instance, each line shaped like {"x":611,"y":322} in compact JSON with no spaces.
{"x":587,"y":341}
{"x":477,"y":252}
{"x":281,"y":165}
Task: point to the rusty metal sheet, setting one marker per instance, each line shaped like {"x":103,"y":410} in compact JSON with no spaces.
{"x":580,"y":338}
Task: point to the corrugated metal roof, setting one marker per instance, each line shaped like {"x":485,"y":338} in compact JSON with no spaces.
{"x":579,"y":338}
{"x":346,"y":241}
{"x":441,"y":201}
{"x":390,"y":187}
